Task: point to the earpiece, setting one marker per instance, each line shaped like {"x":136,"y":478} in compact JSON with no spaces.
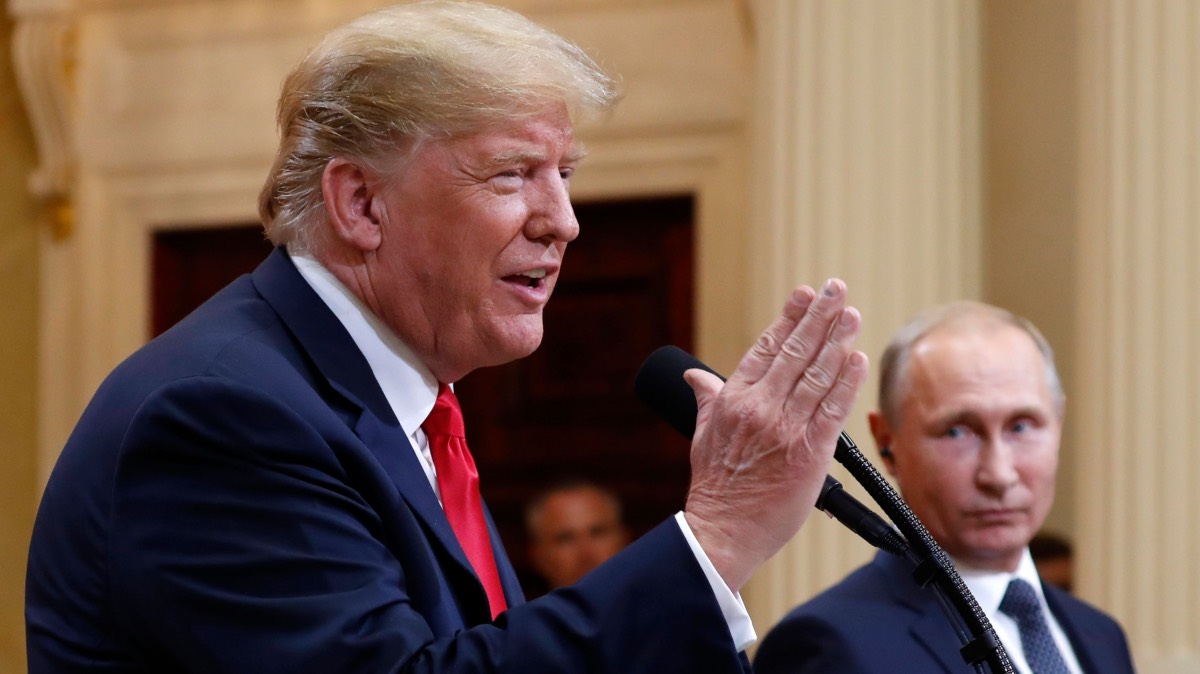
{"x":885,"y":452}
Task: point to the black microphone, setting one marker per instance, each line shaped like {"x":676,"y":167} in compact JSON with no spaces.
{"x":661,"y":387}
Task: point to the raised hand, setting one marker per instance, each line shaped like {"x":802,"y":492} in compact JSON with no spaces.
{"x":764,"y":440}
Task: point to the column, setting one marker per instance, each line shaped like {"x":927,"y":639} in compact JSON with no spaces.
{"x":865,"y":165}
{"x":1138,"y":395}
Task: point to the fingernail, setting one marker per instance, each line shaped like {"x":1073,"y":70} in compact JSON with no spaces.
{"x":847,"y":318}
{"x":827,"y":289}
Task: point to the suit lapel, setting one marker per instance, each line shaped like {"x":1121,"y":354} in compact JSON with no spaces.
{"x":1089,"y":646}
{"x":344,"y":368}
{"x":508,"y":575}
{"x":931,"y":626}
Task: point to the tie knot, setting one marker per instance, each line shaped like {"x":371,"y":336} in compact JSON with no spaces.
{"x":446,"y":417}
{"x":1020,"y":601}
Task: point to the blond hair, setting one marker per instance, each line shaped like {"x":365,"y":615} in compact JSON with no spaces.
{"x":374,"y":89}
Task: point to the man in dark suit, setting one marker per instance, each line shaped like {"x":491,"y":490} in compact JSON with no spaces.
{"x":969,"y":422}
{"x":280,"y":483}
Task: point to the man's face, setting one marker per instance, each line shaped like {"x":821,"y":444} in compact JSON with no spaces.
{"x":474,"y":231}
{"x":576,"y":531}
{"x":976,"y":451}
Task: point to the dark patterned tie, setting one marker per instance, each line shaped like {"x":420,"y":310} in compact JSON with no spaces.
{"x":458,"y":481}
{"x":1021,"y":604}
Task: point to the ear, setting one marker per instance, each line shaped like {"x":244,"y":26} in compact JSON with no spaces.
{"x":354,"y":216}
{"x":882,"y":433}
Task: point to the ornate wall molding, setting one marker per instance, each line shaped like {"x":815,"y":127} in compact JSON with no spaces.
{"x":44,"y":61}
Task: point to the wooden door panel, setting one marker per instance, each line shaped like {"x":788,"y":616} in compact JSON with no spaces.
{"x":189,"y":265}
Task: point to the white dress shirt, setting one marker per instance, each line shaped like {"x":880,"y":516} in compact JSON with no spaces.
{"x":989,"y":588}
{"x":411,"y":390}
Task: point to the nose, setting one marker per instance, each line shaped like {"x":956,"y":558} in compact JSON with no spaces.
{"x":552,"y":217}
{"x":997,"y":471}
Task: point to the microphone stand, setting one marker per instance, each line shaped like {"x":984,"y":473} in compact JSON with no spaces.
{"x":933,"y":567}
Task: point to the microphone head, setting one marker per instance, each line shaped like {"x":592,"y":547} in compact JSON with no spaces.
{"x":660,"y":386}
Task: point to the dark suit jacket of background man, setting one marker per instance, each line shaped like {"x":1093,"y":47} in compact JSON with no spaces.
{"x":878,"y":620}
{"x":239,"y":497}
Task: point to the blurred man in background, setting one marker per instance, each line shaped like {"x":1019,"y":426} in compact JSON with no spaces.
{"x":573,"y":527}
{"x":1054,"y":558}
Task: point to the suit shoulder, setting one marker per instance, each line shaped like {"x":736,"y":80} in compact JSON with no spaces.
{"x":861,"y":598}
{"x":1098,"y":638}
{"x":838,"y":630}
{"x":1065,"y":602}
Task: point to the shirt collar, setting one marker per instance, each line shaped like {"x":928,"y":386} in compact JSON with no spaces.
{"x":989,"y":586}
{"x":408,"y":385}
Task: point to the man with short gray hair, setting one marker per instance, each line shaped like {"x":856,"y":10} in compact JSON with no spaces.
{"x":969,"y":423}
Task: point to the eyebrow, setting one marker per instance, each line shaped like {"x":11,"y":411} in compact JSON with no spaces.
{"x":954,"y":418}
{"x":969,"y":416}
{"x":576,"y":154}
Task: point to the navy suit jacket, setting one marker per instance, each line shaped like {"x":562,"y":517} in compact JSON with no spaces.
{"x":878,"y":620}
{"x":238,"y":497}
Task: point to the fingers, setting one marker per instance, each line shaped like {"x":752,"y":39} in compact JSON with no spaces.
{"x":788,"y":355}
{"x":822,"y":374}
{"x":804,"y":361}
{"x":834,"y":408}
{"x":758,"y":360}
{"x":798,"y":353}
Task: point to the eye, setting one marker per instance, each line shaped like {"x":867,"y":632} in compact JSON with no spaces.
{"x":960,"y":436}
{"x":508,"y":181}
{"x":955,"y":432}
{"x":1024,"y":426}
{"x":566,"y":172}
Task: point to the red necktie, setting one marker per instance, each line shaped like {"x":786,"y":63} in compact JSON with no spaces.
{"x":458,"y":480}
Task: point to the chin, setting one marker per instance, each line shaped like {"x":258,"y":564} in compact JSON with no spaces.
{"x":517,"y":341}
{"x":1006,"y":550}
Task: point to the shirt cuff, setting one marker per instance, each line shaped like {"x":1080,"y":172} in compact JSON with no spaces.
{"x":736,"y":617}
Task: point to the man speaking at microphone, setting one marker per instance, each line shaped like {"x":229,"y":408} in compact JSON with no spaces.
{"x":969,"y":422}
{"x":280,"y":483}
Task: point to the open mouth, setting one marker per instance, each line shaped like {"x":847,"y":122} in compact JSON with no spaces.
{"x":533,"y":278}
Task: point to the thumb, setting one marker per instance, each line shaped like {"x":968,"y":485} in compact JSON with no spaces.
{"x":706,"y":386}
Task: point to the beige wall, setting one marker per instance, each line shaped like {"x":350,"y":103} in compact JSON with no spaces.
{"x":1030,"y":93}
{"x":18,"y":358}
